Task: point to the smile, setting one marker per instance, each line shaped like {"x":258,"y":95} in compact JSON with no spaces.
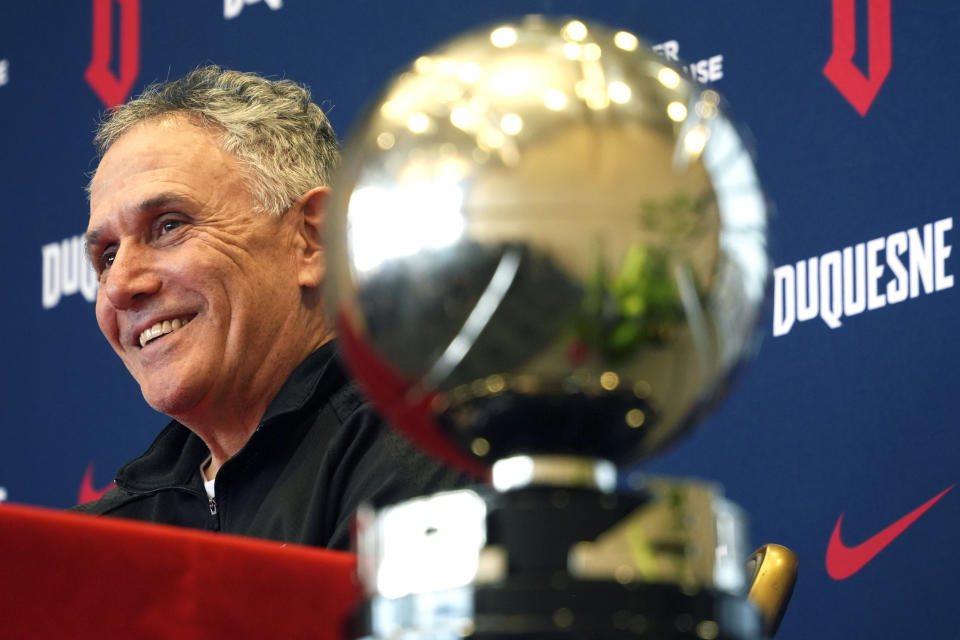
{"x":162,"y":329}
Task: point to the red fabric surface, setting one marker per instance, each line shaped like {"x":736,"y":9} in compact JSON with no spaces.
{"x":66,"y":575}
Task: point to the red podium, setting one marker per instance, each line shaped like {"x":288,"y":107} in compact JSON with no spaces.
{"x":66,"y":575}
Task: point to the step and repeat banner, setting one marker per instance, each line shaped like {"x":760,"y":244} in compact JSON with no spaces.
{"x":839,"y":439}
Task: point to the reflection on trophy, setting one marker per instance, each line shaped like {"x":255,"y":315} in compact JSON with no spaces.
{"x":548,"y":259}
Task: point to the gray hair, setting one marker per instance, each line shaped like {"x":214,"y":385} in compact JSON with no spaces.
{"x":283,"y":141}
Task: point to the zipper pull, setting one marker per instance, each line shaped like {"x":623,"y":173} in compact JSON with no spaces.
{"x":213,"y":507}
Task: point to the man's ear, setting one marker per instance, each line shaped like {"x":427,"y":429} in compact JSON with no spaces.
{"x":311,"y":214}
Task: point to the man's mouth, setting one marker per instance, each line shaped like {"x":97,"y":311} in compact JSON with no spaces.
{"x":162,"y":329}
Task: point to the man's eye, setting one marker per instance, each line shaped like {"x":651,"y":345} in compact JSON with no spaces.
{"x":106,"y":260}
{"x":169,"y":225}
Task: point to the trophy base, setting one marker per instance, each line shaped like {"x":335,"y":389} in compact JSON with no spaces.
{"x":551,"y":560}
{"x":587,"y":610}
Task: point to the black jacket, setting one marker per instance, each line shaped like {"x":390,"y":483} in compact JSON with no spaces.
{"x":318,"y":453}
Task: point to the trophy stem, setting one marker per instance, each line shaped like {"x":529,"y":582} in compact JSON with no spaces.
{"x":517,"y":472}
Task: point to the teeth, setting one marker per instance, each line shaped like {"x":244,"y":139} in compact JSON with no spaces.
{"x":161,"y":328}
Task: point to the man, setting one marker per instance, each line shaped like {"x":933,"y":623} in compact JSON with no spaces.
{"x":206,"y":231}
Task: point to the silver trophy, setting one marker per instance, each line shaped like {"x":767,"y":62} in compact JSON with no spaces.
{"x":548,"y":258}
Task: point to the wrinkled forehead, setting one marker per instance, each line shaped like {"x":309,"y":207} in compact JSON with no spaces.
{"x":180,"y":125}
{"x":160,"y":162}
{"x":168,"y":121}
{"x":171,"y":148}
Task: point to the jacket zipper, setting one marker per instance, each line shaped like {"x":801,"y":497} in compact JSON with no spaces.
{"x":213,"y":522}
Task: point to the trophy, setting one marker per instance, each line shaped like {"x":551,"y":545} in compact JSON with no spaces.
{"x":547,"y":260}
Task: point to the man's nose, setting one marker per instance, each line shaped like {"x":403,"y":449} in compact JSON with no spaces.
{"x":132,"y":277}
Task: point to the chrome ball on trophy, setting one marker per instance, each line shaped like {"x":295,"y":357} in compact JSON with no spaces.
{"x":547,"y":259}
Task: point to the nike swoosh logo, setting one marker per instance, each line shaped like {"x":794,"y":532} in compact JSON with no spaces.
{"x":87,"y":491}
{"x":844,"y":561}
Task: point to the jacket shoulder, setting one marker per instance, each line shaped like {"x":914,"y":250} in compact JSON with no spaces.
{"x":110,"y":502}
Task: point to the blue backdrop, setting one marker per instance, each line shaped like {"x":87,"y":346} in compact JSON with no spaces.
{"x":848,"y":409}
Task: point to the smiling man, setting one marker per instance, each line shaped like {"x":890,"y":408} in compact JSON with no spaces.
{"x":206,"y":231}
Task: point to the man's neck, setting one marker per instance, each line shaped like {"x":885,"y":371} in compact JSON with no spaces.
{"x":226,"y":424}
{"x":222,"y":448}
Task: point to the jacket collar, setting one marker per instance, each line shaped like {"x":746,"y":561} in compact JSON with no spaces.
{"x":320,"y":366}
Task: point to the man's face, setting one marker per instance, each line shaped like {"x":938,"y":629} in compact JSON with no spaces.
{"x":174,"y":239}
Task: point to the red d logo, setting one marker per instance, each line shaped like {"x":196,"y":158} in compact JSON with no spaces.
{"x":859,"y":90}
{"x":111,"y":89}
